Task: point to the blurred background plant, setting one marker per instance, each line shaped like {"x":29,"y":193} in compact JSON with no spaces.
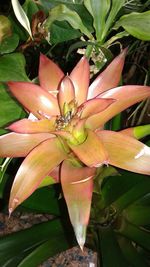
{"x":63,"y":30}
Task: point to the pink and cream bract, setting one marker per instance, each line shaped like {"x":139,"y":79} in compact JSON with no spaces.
{"x":65,"y":136}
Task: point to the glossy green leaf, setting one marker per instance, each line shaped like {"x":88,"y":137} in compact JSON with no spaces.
{"x":62,"y":31}
{"x":10,"y":110}
{"x":137,"y":24}
{"x":43,"y":200}
{"x":12,"y":245}
{"x":12,"y":67}
{"x":61,"y":13}
{"x":99,"y":12}
{"x":9,"y":44}
{"x":110,"y":251}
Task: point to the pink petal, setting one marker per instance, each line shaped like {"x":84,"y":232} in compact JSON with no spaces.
{"x":91,"y":152}
{"x":66,"y":92}
{"x":50,"y":74}
{"x":126,"y":152}
{"x":80,"y":76}
{"x":36,"y":166}
{"x":109,"y":78}
{"x":19,"y":145}
{"x":94,"y":106}
{"x":78,"y":196}
{"x":29,"y":126}
{"x":125,"y":96}
{"x":34,"y":99}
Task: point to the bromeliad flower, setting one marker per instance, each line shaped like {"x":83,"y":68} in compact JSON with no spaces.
{"x":65,"y":137}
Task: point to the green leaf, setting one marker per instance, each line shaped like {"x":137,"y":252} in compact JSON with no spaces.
{"x":21,"y":16}
{"x":138,"y":214}
{"x":110,"y":251}
{"x":132,"y":195}
{"x":10,"y":110}
{"x":12,"y":245}
{"x":115,"y":37}
{"x":115,"y":7}
{"x":13,"y":68}
{"x":60,"y":13}
{"x":131,"y":254}
{"x":5,"y":27}
{"x":30,"y":8}
{"x":62,"y":31}
{"x":56,"y":244}
{"x":141,"y":131}
{"x":137,"y":235}
{"x":137,"y":24}
{"x":43,"y":200}
{"x":114,"y":187}
{"x":9,"y":44}
{"x":99,"y":11}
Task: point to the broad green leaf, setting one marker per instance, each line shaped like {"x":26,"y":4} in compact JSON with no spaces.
{"x":30,"y":8}
{"x":14,"y":261}
{"x":115,"y":7}
{"x":21,"y":16}
{"x":99,"y":12}
{"x":137,"y":24}
{"x":114,"y":187}
{"x":47,"y":4}
{"x":54,"y":245}
{"x":62,"y":32}
{"x":60,"y":13}
{"x":43,"y":200}
{"x":111,"y":254}
{"x":132,"y":195}
{"x":10,"y":110}
{"x":138,"y":214}
{"x":5,"y":27}
{"x":14,"y":244}
{"x":9,"y":44}
{"x":12,"y":68}
{"x":137,"y":235}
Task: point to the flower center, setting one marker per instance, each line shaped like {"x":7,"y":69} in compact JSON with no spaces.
{"x":69,"y":111}
{"x":63,"y":120}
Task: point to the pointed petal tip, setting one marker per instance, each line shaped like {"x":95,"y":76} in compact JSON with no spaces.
{"x":80,"y":232}
{"x":81,"y":247}
{"x":10,"y":210}
{"x":124,"y":52}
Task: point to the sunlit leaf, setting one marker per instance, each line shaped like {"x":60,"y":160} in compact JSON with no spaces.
{"x":137,"y":24}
